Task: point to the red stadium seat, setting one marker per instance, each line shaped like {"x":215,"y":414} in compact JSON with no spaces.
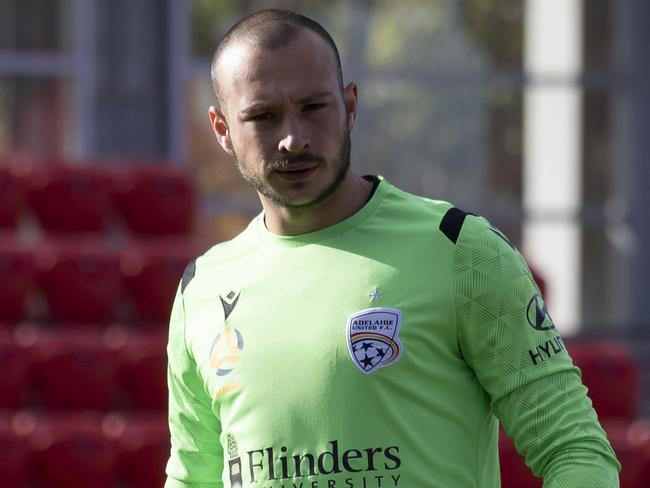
{"x":146,"y":381}
{"x":14,"y":371}
{"x":16,"y":279}
{"x":143,"y":368}
{"x":71,"y":451}
{"x":628,"y":440}
{"x":14,"y":467}
{"x":611,"y":375}
{"x":155,"y":200}
{"x":80,"y":280}
{"x":144,"y":445}
{"x":68,"y":198}
{"x":152,"y":272}
{"x":73,"y":368}
{"x":12,"y":198}
{"x":638,"y":434}
{"x":514,"y":472}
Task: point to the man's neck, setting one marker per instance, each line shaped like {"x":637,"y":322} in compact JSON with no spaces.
{"x":347,"y":199}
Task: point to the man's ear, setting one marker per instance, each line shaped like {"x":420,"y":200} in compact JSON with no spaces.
{"x":350,"y":97}
{"x":220,"y":128}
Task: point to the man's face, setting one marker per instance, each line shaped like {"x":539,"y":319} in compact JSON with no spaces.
{"x":285,"y":119}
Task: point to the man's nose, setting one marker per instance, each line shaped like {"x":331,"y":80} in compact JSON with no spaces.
{"x":294,"y":136}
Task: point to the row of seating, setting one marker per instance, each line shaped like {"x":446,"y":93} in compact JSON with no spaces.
{"x":81,"y":248}
{"x":84,"y":367}
{"x":97,"y":363}
{"x":83,"y":449}
{"x":86,"y":280}
{"x":145,"y":200}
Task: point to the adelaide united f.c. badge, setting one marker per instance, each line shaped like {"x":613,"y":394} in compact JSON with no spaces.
{"x":373,"y":338}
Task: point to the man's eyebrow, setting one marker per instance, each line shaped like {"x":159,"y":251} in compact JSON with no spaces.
{"x":315,"y":96}
{"x":256,"y":107}
{"x":252,"y":109}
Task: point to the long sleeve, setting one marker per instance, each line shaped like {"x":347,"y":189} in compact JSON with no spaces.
{"x":508,"y":338}
{"x":196,"y":459}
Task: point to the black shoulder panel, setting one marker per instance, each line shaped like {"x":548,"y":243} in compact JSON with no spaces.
{"x":188,"y":274}
{"x":452,"y":223}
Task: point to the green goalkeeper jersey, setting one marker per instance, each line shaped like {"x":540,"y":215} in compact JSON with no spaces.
{"x":378,"y":352}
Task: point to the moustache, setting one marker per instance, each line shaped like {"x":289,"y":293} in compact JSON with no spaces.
{"x":289,"y":160}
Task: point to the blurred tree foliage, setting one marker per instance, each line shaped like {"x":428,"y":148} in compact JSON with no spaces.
{"x":209,"y":20}
{"x":497,"y":28}
{"x":34,"y":25}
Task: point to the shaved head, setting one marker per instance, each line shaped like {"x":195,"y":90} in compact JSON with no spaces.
{"x":269,"y":29}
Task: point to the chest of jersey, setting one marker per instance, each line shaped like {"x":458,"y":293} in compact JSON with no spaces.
{"x":332,"y":352}
{"x":325,"y":327}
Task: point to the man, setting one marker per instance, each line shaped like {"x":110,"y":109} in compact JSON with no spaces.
{"x":354,"y":335}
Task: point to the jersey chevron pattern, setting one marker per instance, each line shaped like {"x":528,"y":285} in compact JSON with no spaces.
{"x":375,"y":353}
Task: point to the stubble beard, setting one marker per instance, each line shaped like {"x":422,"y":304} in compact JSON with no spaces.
{"x":341,"y":168}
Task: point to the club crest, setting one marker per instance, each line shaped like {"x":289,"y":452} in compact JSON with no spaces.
{"x":373,"y":338}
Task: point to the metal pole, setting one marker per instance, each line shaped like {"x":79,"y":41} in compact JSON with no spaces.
{"x":84,"y":78}
{"x":177,"y":71}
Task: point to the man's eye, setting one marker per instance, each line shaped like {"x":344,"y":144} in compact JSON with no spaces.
{"x":313,"y":106}
{"x":266,"y":116}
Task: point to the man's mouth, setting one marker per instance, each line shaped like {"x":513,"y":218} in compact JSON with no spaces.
{"x":297,"y":171}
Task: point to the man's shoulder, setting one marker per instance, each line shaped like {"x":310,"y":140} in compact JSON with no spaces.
{"x":239,"y":244}
{"x":409,"y":204}
{"x":217,"y":260}
{"x":458,"y":226}
{"x":453,"y":223}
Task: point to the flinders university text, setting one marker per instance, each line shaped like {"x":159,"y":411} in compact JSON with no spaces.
{"x":334,"y":467}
